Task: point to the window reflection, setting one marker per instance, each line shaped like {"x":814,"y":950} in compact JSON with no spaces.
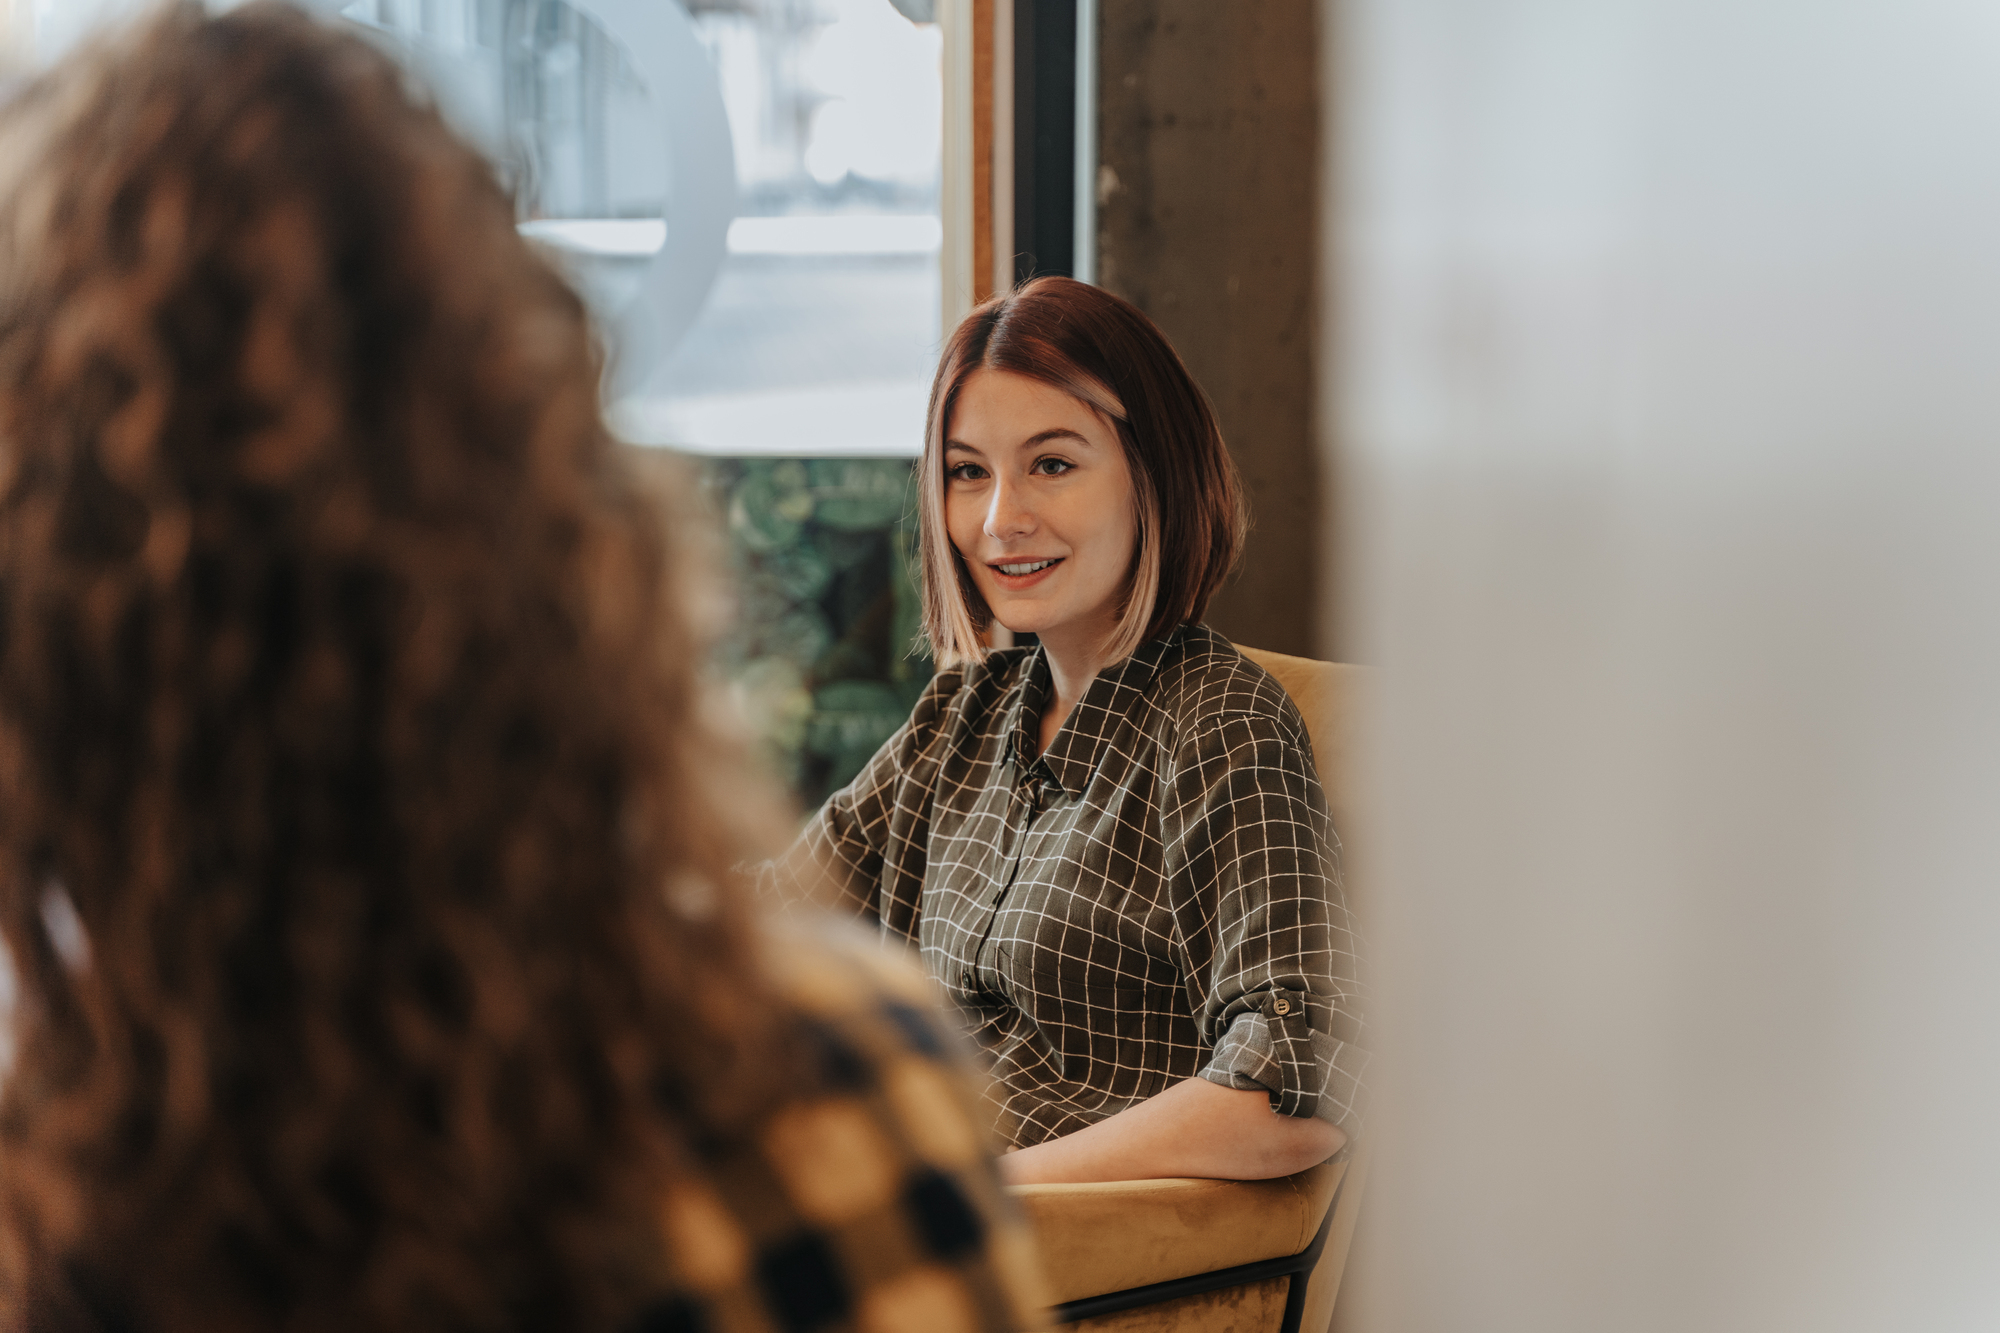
{"x":822,"y":327}
{"x":802,"y":379}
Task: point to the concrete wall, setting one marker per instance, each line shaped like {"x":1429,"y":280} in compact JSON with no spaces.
{"x":1208,"y":145}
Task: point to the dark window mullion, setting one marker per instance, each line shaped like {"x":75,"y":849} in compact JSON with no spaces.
{"x":1044,"y":138}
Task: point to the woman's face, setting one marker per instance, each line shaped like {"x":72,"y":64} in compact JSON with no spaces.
{"x":1038,"y":501}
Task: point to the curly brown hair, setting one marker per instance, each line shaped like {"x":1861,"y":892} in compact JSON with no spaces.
{"x":363,"y":846}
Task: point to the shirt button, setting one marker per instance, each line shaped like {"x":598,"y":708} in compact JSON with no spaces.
{"x":1283,"y":1006}
{"x":968,"y":980}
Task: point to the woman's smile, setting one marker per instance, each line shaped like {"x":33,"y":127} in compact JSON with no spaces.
{"x":1022,"y":574}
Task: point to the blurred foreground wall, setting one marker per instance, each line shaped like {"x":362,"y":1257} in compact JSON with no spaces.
{"x":1670,"y":377}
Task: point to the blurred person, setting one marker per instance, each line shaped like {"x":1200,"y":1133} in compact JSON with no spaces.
{"x":361,"y":833}
{"x":1111,"y":848}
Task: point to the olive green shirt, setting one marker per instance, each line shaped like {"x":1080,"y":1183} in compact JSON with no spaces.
{"x":1155,"y":897}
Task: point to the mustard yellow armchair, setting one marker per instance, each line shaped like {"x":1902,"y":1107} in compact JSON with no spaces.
{"x":1216,"y":1256}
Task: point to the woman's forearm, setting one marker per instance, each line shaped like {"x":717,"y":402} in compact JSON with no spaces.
{"x":1195,"y":1128}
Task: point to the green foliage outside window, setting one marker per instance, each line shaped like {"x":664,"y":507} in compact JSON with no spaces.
{"x":827,"y":649}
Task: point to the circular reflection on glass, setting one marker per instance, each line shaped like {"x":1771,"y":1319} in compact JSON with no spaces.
{"x":604,"y":119}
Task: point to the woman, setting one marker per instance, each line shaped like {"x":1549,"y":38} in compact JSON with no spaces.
{"x":359,"y":830}
{"x":1111,"y":848}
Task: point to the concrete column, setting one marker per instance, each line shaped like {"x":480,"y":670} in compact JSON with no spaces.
{"x":1208,"y":151}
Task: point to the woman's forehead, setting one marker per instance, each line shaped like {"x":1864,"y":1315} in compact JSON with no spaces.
{"x":999,"y":408}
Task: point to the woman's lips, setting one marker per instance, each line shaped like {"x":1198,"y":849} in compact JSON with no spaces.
{"x":1016,"y":582}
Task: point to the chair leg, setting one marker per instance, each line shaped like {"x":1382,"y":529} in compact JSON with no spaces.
{"x":1295,"y":1290}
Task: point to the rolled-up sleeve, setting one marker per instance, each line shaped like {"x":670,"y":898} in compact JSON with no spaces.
{"x":1268,"y":945}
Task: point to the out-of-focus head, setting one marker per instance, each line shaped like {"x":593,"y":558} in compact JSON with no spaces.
{"x":1186,"y":501}
{"x":362,"y":897}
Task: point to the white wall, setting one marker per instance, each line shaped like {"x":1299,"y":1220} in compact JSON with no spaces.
{"x":1670,"y":385}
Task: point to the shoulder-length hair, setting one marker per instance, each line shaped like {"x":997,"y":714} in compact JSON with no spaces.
{"x":1188,"y":503}
{"x":361,"y":844}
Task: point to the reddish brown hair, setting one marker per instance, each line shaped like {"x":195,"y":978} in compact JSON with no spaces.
{"x":1103,"y":352}
{"x":361,"y":843}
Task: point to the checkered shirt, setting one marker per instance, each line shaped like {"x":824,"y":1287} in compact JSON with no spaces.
{"x":867,"y":1202}
{"x":1156,"y":896}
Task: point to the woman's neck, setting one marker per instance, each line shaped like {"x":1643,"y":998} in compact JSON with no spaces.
{"x":1074,"y":662}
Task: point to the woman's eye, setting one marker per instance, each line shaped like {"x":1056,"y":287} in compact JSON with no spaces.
{"x":1053,"y":467}
{"x":965,"y":472}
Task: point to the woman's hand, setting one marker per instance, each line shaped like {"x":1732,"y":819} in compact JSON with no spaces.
{"x":1195,"y":1128}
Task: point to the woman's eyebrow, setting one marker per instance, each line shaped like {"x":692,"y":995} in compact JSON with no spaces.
{"x":1039,"y":438}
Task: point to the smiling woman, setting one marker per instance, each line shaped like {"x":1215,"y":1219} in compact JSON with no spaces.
{"x":1111,"y":849}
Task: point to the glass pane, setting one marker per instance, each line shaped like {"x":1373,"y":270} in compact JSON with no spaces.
{"x":807,"y":336}
{"x":824,"y":556}
{"x":822,"y":328}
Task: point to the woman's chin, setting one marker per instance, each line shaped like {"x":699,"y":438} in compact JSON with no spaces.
{"x":1026,"y":617}
{"x":1017,"y":618}
{"x":1041,"y":621}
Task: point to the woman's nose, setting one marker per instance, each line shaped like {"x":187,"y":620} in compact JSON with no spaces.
{"x":1007,"y":515}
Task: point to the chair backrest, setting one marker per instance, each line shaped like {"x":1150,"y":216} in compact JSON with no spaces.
{"x":1116,"y":1239}
{"x":1327,"y":695}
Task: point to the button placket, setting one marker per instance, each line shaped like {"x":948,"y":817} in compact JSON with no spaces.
{"x":1027,"y":795}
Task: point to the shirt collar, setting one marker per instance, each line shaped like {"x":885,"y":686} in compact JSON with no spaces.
{"x":1031,"y":693}
{"x":1072,"y":756}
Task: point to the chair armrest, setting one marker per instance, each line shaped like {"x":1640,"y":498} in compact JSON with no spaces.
{"x":1114,"y":1235}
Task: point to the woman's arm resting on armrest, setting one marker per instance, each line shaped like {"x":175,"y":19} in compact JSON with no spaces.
{"x":1195,"y":1128}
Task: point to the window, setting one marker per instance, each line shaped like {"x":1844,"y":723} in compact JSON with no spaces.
{"x":747,"y":195}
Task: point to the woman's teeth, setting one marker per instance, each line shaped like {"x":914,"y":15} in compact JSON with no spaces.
{"x":1024,"y":569}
